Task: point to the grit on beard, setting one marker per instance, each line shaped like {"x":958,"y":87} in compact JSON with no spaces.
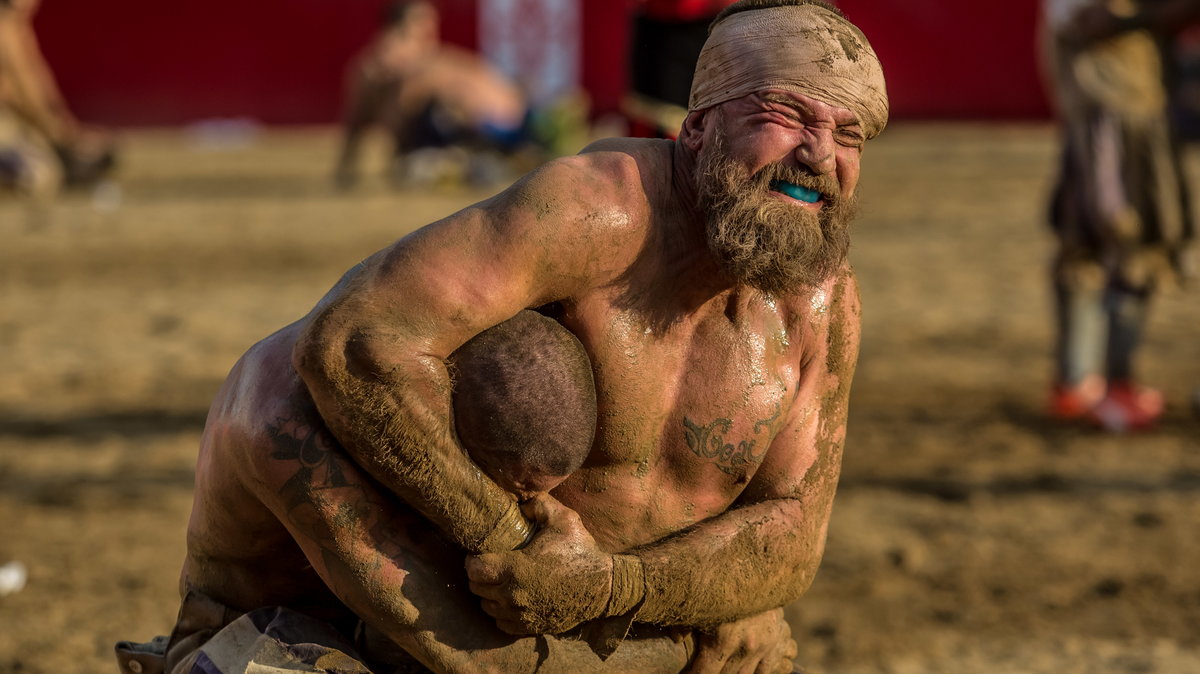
{"x":765,"y":242}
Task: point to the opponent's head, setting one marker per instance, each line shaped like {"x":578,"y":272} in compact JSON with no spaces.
{"x":784,"y":96}
{"x":524,"y":402}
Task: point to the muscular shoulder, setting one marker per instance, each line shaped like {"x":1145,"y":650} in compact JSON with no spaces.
{"x":261,"y":398}
{"x":827,"y":320}
{"x":612,"y":182}
{"x":595,"y":206}
{"x":632,"y":166}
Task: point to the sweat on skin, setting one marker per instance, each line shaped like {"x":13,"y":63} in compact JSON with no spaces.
{"x":752,"y":532}
{"x":812,"y":51}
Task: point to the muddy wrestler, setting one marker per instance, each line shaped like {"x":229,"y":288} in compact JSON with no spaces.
{"x":707,"y":280}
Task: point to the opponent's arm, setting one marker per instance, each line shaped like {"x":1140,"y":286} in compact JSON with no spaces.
{"x":761,"y":554}
{"x":391,"y":568}
{"x":372,"y":353}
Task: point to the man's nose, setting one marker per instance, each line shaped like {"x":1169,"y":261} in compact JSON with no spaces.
{"x":816,"y":151}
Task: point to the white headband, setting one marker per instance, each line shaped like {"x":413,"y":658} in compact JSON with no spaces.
{"x":805,"y":49}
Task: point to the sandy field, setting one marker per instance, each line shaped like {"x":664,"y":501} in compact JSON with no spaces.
{"x":969,"y":534}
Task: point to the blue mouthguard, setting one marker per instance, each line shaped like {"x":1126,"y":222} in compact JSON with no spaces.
{"x":796,"y":191}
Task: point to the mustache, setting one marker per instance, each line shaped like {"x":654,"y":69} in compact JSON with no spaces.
{"x":825,"y":184}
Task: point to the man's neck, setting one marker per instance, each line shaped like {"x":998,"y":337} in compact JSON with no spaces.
{"x":683,"y":181}
{"x":676,"y":273}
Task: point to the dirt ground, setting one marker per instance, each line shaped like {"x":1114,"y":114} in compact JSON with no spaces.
{"x":969,"y":535}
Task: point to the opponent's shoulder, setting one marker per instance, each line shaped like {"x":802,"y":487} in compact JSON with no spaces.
{"x":261,"y":397}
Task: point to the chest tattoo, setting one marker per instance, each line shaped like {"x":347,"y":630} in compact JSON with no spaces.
{"x":711,"y":441}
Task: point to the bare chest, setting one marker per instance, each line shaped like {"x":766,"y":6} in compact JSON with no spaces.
{"x":687,"y":415}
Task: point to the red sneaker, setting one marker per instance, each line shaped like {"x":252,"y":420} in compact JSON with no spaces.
{"x":1074,"y":401}
{"x":1127,"y":407}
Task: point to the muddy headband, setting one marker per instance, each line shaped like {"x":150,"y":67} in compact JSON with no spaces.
{"x":806,"y":49}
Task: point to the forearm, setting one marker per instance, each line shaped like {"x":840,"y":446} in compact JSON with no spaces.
{"x":738,"y":564}
{"x":361,"y":111}
{"x":441,"y":626}
{"x":406,"y":584}
{"x":396,"y":425}
{"x":637,"y":654}
{"x":391,"y":569}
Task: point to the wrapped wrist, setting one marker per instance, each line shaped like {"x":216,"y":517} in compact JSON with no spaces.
{"x":625,"y":599}
{"x":511,"y":531}
{"x":628,"y":586}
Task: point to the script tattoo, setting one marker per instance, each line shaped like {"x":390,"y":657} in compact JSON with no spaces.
{"x":708,"y":442}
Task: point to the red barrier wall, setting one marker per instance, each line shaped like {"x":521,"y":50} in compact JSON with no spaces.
{"x":956,"y":59}
{"x":281,"y":61}
{"x":156,"y":61}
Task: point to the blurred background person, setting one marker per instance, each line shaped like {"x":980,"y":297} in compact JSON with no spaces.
{"x":664,"y":43}
{"x":42,"y":145}
{"x":1120,"y":209}
{"x":448,"y":112}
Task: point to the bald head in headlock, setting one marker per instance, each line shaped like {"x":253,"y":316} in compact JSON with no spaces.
{"x":524,"y":402}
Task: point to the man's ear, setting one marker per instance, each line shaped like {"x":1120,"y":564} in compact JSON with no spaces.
{"x":691,"y":134}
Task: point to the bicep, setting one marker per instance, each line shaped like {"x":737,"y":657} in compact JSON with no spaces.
{"x":454,"y":278}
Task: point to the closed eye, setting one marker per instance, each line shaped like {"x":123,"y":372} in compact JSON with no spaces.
{"x":850,"y":137}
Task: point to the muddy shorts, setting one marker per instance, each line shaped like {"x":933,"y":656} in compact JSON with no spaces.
{"x":211,"y":638}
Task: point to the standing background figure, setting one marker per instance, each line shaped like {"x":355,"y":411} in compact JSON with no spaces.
{"x":1120,"y":209}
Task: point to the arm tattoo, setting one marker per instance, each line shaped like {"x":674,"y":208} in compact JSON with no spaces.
{"x":321,"y":467}
{"x":708,"y":442}
{"x":312,"y":448}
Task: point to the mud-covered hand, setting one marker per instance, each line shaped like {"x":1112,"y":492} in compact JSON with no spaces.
{"x":561,"y":579}
{"x":762,"y":644}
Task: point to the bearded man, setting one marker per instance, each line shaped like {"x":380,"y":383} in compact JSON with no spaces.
{"x":707,"y":280}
